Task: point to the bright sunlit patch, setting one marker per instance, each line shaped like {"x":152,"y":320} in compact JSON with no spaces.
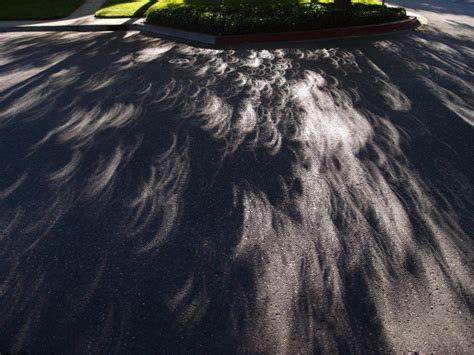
{"x":153,"y":53}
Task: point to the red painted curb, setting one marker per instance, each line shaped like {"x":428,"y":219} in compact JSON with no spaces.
{"x":318,"y":34}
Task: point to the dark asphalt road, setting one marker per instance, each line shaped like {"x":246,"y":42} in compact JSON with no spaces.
{"x":292,"y":198}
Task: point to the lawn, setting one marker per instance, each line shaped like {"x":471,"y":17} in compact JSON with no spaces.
{"x":37,"y":9}
{"x":125,"y":8}
{"x":139,"y":8}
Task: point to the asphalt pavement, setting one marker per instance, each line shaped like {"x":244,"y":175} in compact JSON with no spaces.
{"x":304,"y":197}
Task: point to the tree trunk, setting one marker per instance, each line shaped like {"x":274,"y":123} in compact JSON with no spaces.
{"x":344,"y":4}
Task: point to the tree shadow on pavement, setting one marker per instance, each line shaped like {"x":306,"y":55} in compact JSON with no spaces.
{"x":159,"y":197}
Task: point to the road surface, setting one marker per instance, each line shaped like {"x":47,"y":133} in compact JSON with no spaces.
{"x":286,"y":198}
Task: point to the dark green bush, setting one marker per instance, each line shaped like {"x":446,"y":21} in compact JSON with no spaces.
{"x":250,"y":18}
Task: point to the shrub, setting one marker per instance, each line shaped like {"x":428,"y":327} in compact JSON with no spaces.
{"x":280,"y":17}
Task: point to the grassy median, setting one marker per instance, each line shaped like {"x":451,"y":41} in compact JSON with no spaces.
{"x":140,"y":8}
{"x":249,"y":19}
{"x":226,"y":17}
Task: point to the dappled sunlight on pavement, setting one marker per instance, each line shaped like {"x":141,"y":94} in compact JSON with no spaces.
{"x":160,"y":197}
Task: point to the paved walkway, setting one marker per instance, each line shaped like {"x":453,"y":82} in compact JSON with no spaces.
{"x":89,"y":7}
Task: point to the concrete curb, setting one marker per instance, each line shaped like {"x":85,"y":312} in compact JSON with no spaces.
{"x":213,"y":40}
{"x":330,"y":33}
{"x":175,"y":34}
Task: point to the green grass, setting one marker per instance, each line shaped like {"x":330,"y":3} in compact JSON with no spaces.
{"x":125,"y":8}
{"x":139,"y":8}
{"x":37,"y":9}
